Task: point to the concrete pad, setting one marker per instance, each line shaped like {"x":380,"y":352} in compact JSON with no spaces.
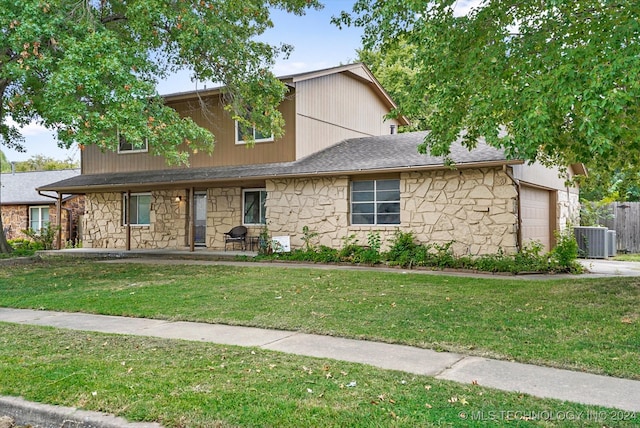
{"x":383,"y":355}
{"x":217,"y":333}
{"x":548,"y":382}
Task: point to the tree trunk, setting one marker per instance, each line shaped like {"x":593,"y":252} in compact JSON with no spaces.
{"x":5,"y":248}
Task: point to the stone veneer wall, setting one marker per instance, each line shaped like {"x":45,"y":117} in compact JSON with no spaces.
{"x":15,"y":218}
{"x":476,"y":208}
{"x":102,"y":223}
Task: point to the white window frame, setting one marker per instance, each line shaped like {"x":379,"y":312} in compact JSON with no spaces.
{"x":41,"y":223}
{"x":125,"y":204}
{"x":261,"y":191}
{"x":375,"y":203}
{"x":257,"y":140}
{"x":122,"y":151}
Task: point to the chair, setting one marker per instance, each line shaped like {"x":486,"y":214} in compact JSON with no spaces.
{"x":237,"y":234}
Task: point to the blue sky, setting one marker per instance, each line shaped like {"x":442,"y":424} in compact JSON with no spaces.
{"x":318,"y":44}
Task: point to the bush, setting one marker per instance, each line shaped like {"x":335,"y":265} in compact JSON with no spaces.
{"x":406,"y":252}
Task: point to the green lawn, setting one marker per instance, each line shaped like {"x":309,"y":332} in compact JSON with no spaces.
{"x":581,"y":324}
{"x":191,"y":384}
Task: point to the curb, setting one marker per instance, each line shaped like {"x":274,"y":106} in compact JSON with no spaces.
{"x":47,"y":416}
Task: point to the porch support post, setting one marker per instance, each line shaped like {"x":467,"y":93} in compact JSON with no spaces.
{"x":59,"y":214}
{"x":127,"y":210}
{"x":192,"y":223}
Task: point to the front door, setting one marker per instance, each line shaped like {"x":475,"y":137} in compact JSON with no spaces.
{"x":200,"y":220}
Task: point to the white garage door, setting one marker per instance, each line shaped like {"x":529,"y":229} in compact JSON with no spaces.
{"x":535,"y":216}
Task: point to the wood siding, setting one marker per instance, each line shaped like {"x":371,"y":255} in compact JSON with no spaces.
{"x":336,"y":107}
{"x":226,"y":151}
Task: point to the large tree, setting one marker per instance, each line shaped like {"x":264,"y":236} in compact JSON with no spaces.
{"x":553,"y":81}
{"x":88,"y":68}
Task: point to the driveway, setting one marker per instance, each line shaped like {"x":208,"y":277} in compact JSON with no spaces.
{"x":604,"y":267}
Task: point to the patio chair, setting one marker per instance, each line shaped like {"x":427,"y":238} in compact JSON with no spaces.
{"x":237,"y":234}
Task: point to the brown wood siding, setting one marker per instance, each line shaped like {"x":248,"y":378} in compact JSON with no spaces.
{"x":336,"y":107}
{"x":226,"y":151}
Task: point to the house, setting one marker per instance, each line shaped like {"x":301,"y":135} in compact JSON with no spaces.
{"x":340,"y":170}
{"x":23,"y":207}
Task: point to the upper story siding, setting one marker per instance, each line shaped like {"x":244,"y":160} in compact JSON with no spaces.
{"x":321,"y":109}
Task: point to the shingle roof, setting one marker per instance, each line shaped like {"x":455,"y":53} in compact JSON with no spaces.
{"x":20,"y":188}
{"x":357,"y":155}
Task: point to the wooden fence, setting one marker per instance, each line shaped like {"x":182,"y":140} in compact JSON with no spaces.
{"x":624,"y":218}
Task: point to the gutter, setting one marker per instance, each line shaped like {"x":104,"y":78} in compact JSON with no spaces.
{"x":202,"y":182}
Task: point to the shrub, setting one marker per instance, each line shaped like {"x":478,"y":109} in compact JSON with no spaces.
{"x":564,"y":256}
{"x":44,"y":236}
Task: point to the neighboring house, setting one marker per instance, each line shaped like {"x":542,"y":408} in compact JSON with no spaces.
{"x":339,"y":169}
{"x":23,"y":207}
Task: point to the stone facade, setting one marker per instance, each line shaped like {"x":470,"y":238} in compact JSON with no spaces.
{"x":103,"y":226}
{"x":15,"y":218}
{"x":476,"y":209}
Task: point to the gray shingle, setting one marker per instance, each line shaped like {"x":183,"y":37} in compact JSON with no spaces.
{"x":20,"y":188}
{"x":352,"y":155}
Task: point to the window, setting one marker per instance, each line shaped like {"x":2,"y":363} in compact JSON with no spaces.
{"x":140,"y":207}
{"x":253,"y":206}
{"x":375,"y":202}
{"x":126,"y":146}
{"x":38,"y":218}
{"x":257,"y":136}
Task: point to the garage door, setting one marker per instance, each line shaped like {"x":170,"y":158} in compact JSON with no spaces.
{"x":535,"y":216}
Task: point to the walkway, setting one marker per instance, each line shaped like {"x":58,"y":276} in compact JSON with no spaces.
{"x":544,"y":382}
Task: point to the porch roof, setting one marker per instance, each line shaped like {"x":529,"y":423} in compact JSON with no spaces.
{"x":386,"y":153}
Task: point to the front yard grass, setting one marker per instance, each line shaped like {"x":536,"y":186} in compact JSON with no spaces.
{"x":580,"y":324}
{"x":190,"y":384}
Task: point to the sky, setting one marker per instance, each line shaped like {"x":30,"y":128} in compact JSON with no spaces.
{"x":318,"y":44}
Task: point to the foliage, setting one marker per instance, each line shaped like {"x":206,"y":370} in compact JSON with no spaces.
{"x":44,"y":237}
{"x":405,"y":252}
{"x":87,"y":70}
{"x":23,"y":247}
{"x":565,"y":253}
{"x":593,"y":213}
{"x":5,"y":166}
{"x":558,"y":77}
{"x":307,"y":236}
{"x":45,"y":163}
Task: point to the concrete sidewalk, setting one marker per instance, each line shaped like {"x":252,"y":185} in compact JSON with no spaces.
{"x":543,"y":382}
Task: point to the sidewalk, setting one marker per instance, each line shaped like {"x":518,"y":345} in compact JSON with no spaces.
{"x":542,"y":382}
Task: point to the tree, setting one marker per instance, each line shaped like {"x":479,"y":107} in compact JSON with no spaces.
{"x":88,"y":69}
{"x":553,"y":81}
{"x":4,"y":163}
{"x":45,"y":163}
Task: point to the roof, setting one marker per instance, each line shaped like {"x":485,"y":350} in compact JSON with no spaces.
{"x":386,"y":153}
{"x":19,"y":188}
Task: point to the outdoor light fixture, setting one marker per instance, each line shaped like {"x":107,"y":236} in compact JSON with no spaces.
{"x":178,"y":198}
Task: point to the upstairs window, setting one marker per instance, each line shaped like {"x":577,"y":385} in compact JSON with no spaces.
{"x":375,"y":202}
{"x":257,"y":136}
{"x":253,"y":206}
{"x":139,"y":207}
{"x":127,"y":146}
{"x":38,"y":218}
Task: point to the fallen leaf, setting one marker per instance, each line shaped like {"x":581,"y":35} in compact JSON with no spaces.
{"x":474,"y":382}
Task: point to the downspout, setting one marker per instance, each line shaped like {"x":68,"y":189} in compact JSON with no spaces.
{"x":59,"y":214}
{"x":192,"y":223}
{"x":127,"y":209}
{"x":508,"y":173}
